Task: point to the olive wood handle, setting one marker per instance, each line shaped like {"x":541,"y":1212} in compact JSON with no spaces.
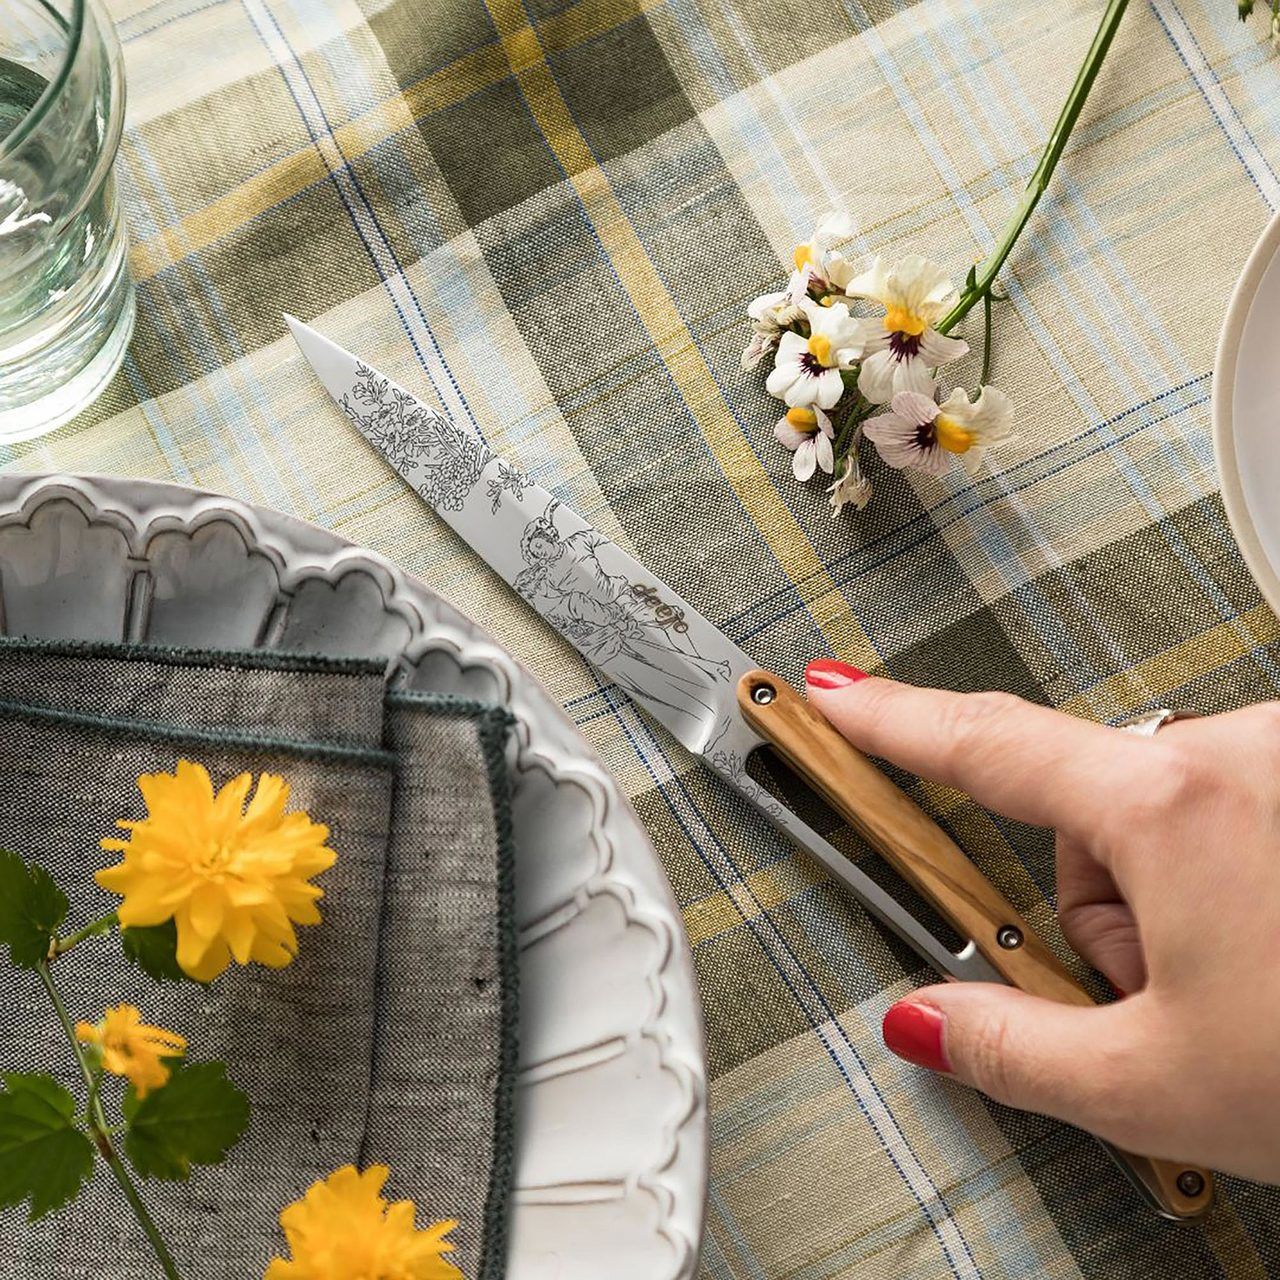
{"x":932,"y":863}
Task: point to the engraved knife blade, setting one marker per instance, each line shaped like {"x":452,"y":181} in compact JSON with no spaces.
{"x":673,"y":662}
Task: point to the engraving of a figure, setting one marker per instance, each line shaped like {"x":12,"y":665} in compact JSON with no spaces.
{"x":610,"y":622}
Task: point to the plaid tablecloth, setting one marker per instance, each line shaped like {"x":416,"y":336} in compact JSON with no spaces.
{"x":551,"y":216}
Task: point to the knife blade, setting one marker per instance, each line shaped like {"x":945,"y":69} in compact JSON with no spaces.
{"x":668,"y":658}
{"x":692,"y":679}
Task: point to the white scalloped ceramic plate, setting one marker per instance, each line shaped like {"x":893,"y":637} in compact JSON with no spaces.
{"x":1246,"y":412}
{"x":611,"y":1114}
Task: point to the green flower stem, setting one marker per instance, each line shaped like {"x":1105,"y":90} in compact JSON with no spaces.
{"x":853,"y":415}
{"x":982,"y":280}
{"x":103,"y":925}
{"x":986,"y":338}
{"x":101,"y":1132}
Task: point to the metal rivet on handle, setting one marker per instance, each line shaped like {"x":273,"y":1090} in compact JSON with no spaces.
{"x":1009,"y":936}
{"x":1190,"y":1183}
{"x":763,"y":694}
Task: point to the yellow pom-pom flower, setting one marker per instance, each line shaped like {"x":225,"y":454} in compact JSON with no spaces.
{"x":234,"y":877}
{"x":129,"y":1047}
{"x":343,"y":1228}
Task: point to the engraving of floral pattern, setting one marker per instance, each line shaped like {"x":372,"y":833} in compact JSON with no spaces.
{"x":733,"y":766}
{"x":443,"y":462}
{"x":508,"y":480}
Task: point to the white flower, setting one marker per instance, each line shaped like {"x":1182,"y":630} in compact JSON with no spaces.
{"x":901,"y":356}
{"x":919,"y":433}
{"x":807,"y":433}
{"x":772,"y":313}
{"x":818,"y":263}
{"x":851,"y":488}
{"x":807,"y":370}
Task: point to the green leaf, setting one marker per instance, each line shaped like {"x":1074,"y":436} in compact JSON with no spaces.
{"x":32,"y":908}
{"x":194,"y":1119}
{"x":44,"y":1158}
{"x":154,"y":949}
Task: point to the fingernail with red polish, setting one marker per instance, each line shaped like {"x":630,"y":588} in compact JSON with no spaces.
{"x":914,"y":1031}
{"x":828,"y":673}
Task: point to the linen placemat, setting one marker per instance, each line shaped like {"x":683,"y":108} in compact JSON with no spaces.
{"x":298,"y":1041}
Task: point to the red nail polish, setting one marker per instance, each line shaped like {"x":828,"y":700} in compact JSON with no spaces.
{"x":828,"y":673}
{"x":914,"y":1031}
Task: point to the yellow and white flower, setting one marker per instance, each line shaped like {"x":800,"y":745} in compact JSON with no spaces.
{"x":806,"y":371}
{"x":807,"y":432}
{"x":772,"y":313}
{"x":851,"y":488}
{"x":128,"y":1047}
{"x":343,"y":1229}
{"x":918,"y":432}
{"x":819,"y":266}
{"x":903,"y":348}
{"x":232,"y":872}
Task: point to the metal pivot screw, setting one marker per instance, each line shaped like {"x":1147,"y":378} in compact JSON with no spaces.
{"x":763,"y":694}
{"x":1009,"y":936}
{"x":1190,"y":1183}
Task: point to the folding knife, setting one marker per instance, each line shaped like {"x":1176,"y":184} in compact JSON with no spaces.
{"x":701,"y":686}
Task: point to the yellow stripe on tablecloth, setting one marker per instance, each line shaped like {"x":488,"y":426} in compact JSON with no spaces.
{"x":759,"y":892}
{"x":443,"y":88}
{"x":289,"y":177}
{"x":1186,"y":661}
{"x":672,"y":339}
{"x":588,"y":19}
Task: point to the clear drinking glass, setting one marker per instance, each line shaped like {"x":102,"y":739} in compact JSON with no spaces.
{"x":66,"y":300}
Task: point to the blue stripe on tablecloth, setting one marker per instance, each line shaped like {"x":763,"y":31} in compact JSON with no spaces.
{"x":261,"y":472}
{"x":129,"y":28}
{"x":364,"y":219}
{"x":1219,"y":103}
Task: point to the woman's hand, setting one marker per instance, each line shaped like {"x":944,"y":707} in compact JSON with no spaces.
{"x":1168,"y":883}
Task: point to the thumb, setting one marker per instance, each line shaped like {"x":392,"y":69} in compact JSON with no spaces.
{"x":1082,"y":1065}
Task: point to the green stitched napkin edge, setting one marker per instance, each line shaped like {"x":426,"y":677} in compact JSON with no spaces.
{"x":183,"y":656}
{"x":299,"y":747}
{"x":494,"y":724}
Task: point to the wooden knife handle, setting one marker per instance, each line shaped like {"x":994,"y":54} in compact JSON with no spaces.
{"x":929,"y":860}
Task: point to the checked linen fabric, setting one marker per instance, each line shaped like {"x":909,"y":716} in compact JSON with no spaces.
{"x":550,"y":215}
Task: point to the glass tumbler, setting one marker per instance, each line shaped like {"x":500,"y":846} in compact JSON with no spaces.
{"x":66,"y":300}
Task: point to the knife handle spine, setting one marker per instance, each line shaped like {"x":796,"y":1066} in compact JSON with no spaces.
{"x":932,"y":863}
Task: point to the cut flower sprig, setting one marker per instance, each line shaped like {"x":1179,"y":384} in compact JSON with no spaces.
{"x":856,"y":348}
{"x":209,"y":877}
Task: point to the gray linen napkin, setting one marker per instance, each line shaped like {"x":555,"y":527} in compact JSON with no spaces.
{"x":443,"y":1056}
{"x":298,"y":1041}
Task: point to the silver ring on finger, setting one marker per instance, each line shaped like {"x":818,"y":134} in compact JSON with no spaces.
{"x":1150,"y":723}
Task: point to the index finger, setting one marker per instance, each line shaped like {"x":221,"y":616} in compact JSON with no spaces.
{"x":1028,"y":762}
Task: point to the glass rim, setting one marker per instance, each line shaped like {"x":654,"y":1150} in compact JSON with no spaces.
{"x":39,"y":109}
